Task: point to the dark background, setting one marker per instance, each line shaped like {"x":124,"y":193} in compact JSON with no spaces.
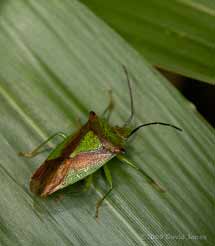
{"x":201,"y":94}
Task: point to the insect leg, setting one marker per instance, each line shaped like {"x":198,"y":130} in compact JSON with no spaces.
{"x":35,"y":151}
{"x":150,"y":180}
{"x":110,"y":106}
{"x":87,"y":183}
{"x":109,"y":179}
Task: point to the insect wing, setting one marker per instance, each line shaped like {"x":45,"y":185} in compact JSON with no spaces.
{"x":48,"y":176}
{"x":67,"y":168}
{"x":85,"y":164}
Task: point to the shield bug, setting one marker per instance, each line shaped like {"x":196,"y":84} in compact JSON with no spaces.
{"x":81,"y":154}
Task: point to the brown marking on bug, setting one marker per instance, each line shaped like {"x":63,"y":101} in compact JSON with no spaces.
{"x":50,"y":175}
{"x":75,"y":140}
{"x":93,"y":125}
{"x":87,"y":159}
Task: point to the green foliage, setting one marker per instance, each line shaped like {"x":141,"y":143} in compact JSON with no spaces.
{"x":176,"y":35}
{"x":57,"y":63}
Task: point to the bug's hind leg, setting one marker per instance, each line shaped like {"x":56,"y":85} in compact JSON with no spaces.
{"x":107,"y":112}
{"x":36,"y":151}
{"x":109,"y":179}
{"x":87,"y":183}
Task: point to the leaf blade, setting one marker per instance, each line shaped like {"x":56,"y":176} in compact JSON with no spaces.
{"x":47,"y":83}
{"x":177,"y":35}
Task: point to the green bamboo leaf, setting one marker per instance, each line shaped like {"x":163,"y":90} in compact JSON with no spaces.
{"x":176,"y":35}
{"x":57,"y":63}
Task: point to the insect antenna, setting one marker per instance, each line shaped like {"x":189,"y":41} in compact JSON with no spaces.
{"x":131,"y":98}
{"x":153,"y":123}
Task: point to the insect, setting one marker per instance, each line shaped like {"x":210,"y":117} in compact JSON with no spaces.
{"x":81,"y":154}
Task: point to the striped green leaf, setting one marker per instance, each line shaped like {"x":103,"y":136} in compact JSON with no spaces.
{"x":57,"y":63}
{"x":177,"y":35}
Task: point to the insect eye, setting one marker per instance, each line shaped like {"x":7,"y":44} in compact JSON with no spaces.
{"x":122,"y":150}
{"x":92,"y":116}
{"x":92,"y":113}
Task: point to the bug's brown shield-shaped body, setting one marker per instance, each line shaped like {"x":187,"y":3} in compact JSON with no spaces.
{"x":79,"y":155}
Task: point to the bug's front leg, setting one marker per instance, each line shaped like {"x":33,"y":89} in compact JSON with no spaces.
{"x":150,"y":179}
{"x":36,"y":151}
{"x":109,"y":179}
